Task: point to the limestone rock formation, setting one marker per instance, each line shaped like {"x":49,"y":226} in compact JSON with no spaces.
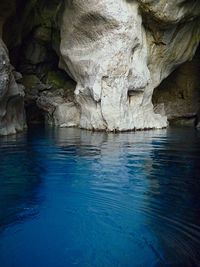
{"x":51,"y":102}
{"x":12,"y":117}
{"x":118,"y":52}
{"x":113,"y":54}
{"x":59,"y":107}
{"x":34,"y":49}
{"x":178,"y":96}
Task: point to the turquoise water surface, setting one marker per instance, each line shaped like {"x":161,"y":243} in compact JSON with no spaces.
{"x":70,"y":197}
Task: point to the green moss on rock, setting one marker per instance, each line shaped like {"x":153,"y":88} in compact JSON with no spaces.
{"x":56,"y":79}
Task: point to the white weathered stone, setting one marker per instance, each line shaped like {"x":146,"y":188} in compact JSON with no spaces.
{"x":117,"y":63}
{"x":58,"y":111}
{"x":66,"y":115}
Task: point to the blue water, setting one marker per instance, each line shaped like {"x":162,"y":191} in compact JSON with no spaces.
{"x":70,"y":197}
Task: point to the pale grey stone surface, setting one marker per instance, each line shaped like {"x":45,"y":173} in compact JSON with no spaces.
{"x":12,"y":118}
{"x":117,"y":62}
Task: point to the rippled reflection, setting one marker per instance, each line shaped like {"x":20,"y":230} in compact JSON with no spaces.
{"x":72,"y":197}
{"x":19,"y":179}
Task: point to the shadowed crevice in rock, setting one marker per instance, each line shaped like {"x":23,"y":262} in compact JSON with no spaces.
{"x":178,"y":96}
{"x":34,"y":51}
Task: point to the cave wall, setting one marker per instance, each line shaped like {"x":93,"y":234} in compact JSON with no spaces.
{"x":178,"y":96}
{"x":120,"y":51}
{"x":95,"y":64}
{"x":34,"y":45}
{"x":12,"y":117}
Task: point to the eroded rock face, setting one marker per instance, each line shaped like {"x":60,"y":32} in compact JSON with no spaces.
{"x":170,"y":11}
{"x":178,"y":96}
{"x":34,"y":49}
{"x":12,"y":117}
{"x":59,"y":108}
{"x":119,"y":51}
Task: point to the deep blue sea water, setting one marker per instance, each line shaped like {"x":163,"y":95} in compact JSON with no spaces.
{"x":70,"y":197}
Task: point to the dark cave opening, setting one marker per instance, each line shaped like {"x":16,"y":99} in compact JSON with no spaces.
{"x":34,"y":50}
{"x":178,"y":96}
{"x":34,"y":115}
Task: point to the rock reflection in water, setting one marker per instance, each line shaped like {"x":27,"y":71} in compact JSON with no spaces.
{"x":19,"y":180}
{"x":128,"y":199}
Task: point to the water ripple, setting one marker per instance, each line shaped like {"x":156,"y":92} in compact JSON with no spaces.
{"x":96,"y":199}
